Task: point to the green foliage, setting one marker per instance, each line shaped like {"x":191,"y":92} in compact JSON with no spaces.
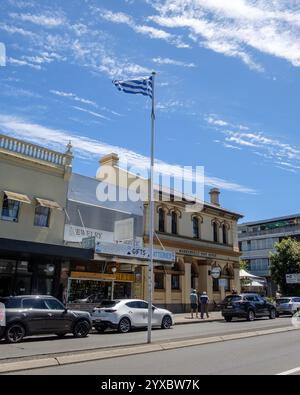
{"x":244,"y":265}
{"x":286,"y":260}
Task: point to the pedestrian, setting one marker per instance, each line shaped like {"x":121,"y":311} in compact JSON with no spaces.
{"x":204,"y":300}
{"x":194,"y":303}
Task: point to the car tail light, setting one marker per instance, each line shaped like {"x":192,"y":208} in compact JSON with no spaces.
{"x":110,"y":310}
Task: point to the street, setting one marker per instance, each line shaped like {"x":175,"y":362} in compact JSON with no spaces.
{"x":266,"y":355}
{"x":36,"y":346}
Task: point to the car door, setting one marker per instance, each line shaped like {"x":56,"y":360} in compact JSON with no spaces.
{"x":135,"y":313}
{"x":261,"y":305}
{"x":157,"y":316}
{"x":60,"y":319}
{"x":36,"y":313}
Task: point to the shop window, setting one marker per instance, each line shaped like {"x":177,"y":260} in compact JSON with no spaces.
{"x":174,"y":223}
{"x":159,"y":280}
{"x":216,"y":287}
{"x":42,"y":216}
{"x":10,"y":209}
{"x":226,"y":284}
{"x":196,"y":227}
{"x":161,"y":220}
{"x":215,"y":232}
{"x":175,"y":281}
{"x":224,"y":231}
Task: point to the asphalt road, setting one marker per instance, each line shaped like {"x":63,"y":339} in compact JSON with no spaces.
{"x":266,"y":355}
{"x":45,"y":345}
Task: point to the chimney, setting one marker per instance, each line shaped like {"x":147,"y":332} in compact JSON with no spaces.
{"x":215,"y":196}
{"x":110,"y":160}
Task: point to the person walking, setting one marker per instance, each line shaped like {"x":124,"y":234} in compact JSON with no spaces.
{"x":204,"y":300}
{"x":194,"y":303}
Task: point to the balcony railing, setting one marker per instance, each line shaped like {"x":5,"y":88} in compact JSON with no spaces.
{"x":34,"y":151}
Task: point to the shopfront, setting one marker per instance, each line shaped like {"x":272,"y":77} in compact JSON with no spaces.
{"x":28,"y":268}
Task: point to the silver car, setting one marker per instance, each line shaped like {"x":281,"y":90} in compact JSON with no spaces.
{"x":126,"y":314}
{"x":287,"y":305}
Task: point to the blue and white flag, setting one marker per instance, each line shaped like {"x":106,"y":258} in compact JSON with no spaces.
{"x":143,"y":86}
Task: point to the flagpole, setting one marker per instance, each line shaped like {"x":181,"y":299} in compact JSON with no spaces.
{"x":151,"y":214}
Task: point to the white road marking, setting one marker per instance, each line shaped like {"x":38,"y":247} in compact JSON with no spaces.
{"x":288,"y":372}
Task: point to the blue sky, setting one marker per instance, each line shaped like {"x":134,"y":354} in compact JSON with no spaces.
{"x":227,"y":88}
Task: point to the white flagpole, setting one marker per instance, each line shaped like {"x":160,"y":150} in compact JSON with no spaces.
{"x":151,"y":215}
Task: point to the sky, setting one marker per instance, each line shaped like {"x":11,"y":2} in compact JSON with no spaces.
{"x":227,"y":89}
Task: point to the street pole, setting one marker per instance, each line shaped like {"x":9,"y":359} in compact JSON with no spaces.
{"x":151,"y":215}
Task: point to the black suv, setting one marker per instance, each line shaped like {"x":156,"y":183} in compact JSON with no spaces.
{"x":249,"y":306}
{"x":40,"y":315}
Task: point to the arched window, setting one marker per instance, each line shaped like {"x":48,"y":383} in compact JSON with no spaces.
{"x":224,"y":232}
{"x":161,"y":220}
{"x":196,"y":232}
{"x":215,"y":232}
{"x":174,"y":223}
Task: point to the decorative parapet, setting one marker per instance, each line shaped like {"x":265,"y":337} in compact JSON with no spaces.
{"x":34,"y":152}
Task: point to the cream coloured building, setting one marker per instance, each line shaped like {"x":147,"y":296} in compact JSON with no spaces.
{"x":204,"y":241}
{"x":33,"y":193}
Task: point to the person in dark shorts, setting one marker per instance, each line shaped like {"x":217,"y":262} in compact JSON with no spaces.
{"x":194,"y":303}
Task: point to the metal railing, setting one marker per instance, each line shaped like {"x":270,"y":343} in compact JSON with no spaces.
{"x":31,"y":150}
{"x":284,"y":229}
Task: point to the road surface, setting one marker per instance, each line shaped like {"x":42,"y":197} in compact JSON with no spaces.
{"x":265,"y":355}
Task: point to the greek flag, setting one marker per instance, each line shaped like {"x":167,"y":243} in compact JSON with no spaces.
{"x":143,"y":86}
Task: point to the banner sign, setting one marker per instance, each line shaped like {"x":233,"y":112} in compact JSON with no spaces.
{"x":130,"y":251}
{"x":2,"y":315}
{"x":293,"y":278}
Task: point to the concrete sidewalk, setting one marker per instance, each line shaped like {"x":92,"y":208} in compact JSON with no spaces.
{"x":185,"y":318}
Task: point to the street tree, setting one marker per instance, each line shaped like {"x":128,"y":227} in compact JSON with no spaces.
{"x":286,"y":260}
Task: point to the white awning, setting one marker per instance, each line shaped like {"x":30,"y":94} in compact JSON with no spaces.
{"x":17,"y":197}
{"x":245,"y":274}
{"x":48,"y":203}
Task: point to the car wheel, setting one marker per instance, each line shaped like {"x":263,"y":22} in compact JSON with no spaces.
{"x":251,"y":315}
{"x":81,"y":329}
{"x":277,"y":314}
{"x":228,"y":319}
{"x":124,"y":325}
{"x":166,"y":322}
{"x":15,"y":333}
{"x":272,"y":314}
{"x":100,"y":328}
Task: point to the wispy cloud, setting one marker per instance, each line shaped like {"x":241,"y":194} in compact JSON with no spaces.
{"x":236,"y":28}
{"x":150,"y":31}
{"x":93,"y":113}
{"x":23,"y":62}
{"x":271,"y":149}
{"x":74,"y":97}
{"x":48,"y":20}
{"x":91,"y":149}
{"x":173,"y":62}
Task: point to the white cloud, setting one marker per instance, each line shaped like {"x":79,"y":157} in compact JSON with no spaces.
{"x":150,"y":31}
{"x":93,"y":113}
{"x":22,"y":62}
{"x":172,"y":62}
{"x":49,"y":20}
{"x":73,"y":96}
{"x":236,"y":28}
{"x":87,"y":148}
{"x":16,"y":30}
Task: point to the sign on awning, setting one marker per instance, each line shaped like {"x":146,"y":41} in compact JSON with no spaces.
{"x":48,"y":203}
{"x":18,"y":197}
{"x":293,"y":278}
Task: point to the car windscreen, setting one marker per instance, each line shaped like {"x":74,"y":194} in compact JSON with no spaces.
{"x":233,"y":298}
{"x":11,"y":303}
{"x":283,"y":300}
{"x":109,"y":303}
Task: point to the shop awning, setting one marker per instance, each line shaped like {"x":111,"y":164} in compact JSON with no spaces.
{"x":48,"y":203}
{"x":17,"y":197}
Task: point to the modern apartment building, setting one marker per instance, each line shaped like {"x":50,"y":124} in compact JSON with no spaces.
{"x":257,"y":240}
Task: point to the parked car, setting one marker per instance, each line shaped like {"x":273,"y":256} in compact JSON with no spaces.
{"x":249,"y":306}
{"x":40,"y":315}
{"x":287,"y":305}
{"x":126,"y":314}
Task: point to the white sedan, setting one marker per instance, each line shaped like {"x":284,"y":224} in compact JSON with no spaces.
{"x":126,"y":314}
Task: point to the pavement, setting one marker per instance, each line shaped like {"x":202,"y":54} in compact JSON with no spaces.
{"x":37,"y":352}
{"x":187,"y":319}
